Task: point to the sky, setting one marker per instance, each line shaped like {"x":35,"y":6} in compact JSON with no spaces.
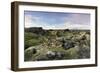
{"x":57,"y":20}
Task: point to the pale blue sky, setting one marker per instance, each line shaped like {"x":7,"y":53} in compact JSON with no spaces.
{"x":55,"y":19}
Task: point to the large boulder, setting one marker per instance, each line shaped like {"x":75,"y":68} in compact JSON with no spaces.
{"x":29,"y":52}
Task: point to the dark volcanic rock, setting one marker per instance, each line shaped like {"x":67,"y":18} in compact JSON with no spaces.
{"x":84,"y":52}
{"x":67,"y":44}
{"x":34,"y":50}
{"x":59,"y":55}
{"x":67,"y":30}
{"x":51,"y":55}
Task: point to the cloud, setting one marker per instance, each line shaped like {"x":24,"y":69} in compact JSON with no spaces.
{"x":31,"y":21}
{"x":82,"y":19}
{"x":68,"y":26}
{"x":76,"y":26}
{"x":72,"y":21}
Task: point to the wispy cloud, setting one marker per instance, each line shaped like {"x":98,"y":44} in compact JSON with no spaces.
{"x":57,"y":20}
{"x":78,"y":18}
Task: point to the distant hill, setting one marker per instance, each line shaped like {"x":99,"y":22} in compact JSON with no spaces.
{"x":41,"y":30}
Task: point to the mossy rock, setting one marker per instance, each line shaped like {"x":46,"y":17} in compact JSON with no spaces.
{"x":29,"y":52}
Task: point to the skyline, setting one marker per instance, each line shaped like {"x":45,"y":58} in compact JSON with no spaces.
{"x":57,"y":20}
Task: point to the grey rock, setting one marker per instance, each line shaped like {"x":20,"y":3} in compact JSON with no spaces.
{"x":59,"y":55}
{"x":29,"y":52}
{"x":67,"y":45}
{"x":51,"y":54}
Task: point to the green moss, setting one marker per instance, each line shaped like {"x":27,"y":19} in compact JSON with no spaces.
{"x":51,"y":40}
{"x":72,"y":53}
{"x":59,"y":49}
{"x":32,"y":42}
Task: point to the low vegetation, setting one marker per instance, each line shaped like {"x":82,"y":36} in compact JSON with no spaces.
{"x":41,"y":45}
